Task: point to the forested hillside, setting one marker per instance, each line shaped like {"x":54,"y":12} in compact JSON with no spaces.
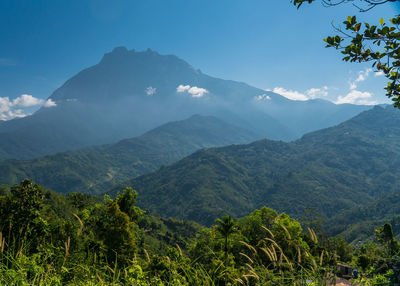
{"x":345,"y":171}
{"x":93,"y":170}
{"x":356,"y":224}
{"x":332,"y":170}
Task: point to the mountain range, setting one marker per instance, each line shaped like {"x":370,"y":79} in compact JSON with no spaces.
{"x":131,"y":92}
{"x":95,"y":169}
{"x":194,"y":146}
{"x":335,"y":170}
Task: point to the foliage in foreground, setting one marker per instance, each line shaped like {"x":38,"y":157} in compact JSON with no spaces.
{"x":51,"y":239}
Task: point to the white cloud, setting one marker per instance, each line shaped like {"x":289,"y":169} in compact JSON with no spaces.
{"x":27,"y":100}
{"x":197,"y":91}
{"x":5,"y":107}
{"x":10,"y":109}
{"x":357,"y":97}
{"x":354,"y":96}
{"x":7,"y":110}
{"x":313,"y":93}
{"x":182,"y":88}
{"x":11,"y":114}
{"x":262,"y":97}
{"x":49,"y":103}
{"x":290,"y":94}
{"x":5,"y":104}
{"x":194,"y":91}
{"x":151,"y":90}
{"x":362,"y":76}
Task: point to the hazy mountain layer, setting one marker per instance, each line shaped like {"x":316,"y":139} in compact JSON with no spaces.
{"x":93,"y":170}
{"x":333,"y":170}
{"x":129,"y":93}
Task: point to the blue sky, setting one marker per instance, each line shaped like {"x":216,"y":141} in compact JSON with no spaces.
{"x":268,"y":44}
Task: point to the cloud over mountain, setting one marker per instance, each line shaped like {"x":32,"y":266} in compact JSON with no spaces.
{"x":311,"y":93}
{"x":49,"y":103}
{"x":290,"y":94}
{"x":151,"y":90}
{"x":26,"y":100}
{"x":10,"y":109}
{"x":357,"y":97}
{"x":194,"y":91}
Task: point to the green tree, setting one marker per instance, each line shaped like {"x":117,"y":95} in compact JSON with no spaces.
{"x":385,"y":236}
{"x":126,"y":201}
{"x":119,"y":235}
{"x":363,"y":42}
{"x":367,"y":254}
{"x":22,"y":216}
{"x":288,"y":234}
{"x":226,"y":227}
{"x":340,"y":247}
{"x":252,"y":226}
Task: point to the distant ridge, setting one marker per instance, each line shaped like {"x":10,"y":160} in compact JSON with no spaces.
{"x":130,"y":92}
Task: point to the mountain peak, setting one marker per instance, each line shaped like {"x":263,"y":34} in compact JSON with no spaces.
{"x":150,"y":51}
{"x":120,"y":50}
{"x":122,"y":53}
{"x":127,"y":73}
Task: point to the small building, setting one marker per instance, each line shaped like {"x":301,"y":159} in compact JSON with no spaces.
{"x":344,"y":271}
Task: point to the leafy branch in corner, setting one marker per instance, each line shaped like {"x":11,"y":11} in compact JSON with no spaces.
{"x":365,"y":6}
{"x":362,"y":42}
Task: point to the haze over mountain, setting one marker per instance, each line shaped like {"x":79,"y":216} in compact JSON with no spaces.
{"x":95,"y":169}
{"x":130,"y":92}
{"x":333,"y":169}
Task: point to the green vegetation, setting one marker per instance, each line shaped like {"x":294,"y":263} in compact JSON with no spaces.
{"x":347,"y":171}
{"x":52,"y":239}
{"x":334,"y":170}
{"x":340,"y":180}
{"x":94,"y":169}
{"x":364,"y":219}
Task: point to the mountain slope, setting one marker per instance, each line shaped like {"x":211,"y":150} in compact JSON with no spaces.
{"x":360,"y":222}
{"x":333,"y":170}
{"x":93,"y":170}
{"x":128,"y":93}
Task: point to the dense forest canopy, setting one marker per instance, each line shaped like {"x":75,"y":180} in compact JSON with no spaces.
{"x":349,"y":168}
{"x":48,"y":238}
